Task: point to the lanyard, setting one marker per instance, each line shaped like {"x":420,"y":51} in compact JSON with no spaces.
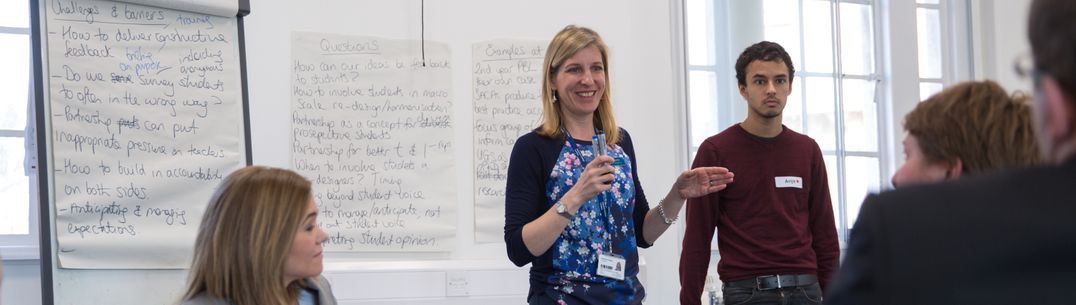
{"x":603,"y":198}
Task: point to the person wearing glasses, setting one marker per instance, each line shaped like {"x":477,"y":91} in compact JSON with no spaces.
{"x":575,"y":209}
{"x":776,"y":233}
{"x":968,"y":129}
{"x":1006,"y":238}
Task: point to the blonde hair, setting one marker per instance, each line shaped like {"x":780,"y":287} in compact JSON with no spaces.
{"x":564,"y":45}
{"x":978,"y":123}
{"x":246,"y":235}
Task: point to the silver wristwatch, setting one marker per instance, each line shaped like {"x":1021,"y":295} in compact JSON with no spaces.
{"x":562,"y":210}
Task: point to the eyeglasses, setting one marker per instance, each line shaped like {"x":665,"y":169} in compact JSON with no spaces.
{"x":1025,"y":67}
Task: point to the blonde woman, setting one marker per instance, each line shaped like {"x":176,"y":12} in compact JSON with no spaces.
{"x":259,"y":243}
{"x":575,"y":209}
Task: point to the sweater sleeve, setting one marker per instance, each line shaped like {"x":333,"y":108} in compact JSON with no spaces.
{"x":698,"y":232}
{"x":641,"y":205}
{"x":524,"y":200}
{"x":823,"y":227}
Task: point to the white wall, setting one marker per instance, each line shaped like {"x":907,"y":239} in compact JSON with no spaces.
{"x":654,"y":116}
{"x":22,"y":283}
{"x":1000,"y":37}
{"x":902,"y":70}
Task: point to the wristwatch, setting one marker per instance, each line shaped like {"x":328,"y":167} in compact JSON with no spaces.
{"x":562,"y":210}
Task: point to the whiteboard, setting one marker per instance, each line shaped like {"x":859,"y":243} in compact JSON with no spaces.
{"x":142,"y":115}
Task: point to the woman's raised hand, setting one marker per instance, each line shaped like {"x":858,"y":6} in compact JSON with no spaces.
{"x":702,"y":181}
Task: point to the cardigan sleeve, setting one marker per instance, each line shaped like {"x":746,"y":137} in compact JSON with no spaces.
{"x":524,"y":196}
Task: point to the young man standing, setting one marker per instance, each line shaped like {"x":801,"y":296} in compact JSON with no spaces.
{"x":776,"y":232}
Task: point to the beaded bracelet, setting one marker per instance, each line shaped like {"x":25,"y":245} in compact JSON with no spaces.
{"x":661,"y":211}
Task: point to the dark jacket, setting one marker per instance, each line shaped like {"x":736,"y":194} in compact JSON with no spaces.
{"x":1007,"y":238}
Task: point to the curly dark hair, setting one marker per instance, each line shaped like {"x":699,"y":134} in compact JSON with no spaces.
{"x":764,"y":51}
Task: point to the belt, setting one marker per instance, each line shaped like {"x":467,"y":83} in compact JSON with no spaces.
{"x":769,"y":282}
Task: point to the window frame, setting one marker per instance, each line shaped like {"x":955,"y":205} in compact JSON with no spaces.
{"x":959,"y":61}
{"x":729,"y":112}
{"x":954,"y":21}
{"x":944,"y":43}
{"x":26,"y":246}
{"x":897,"y":84}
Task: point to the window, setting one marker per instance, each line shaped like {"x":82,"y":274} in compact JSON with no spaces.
{"x":18,"y":185}
{"x":929,"y":36}
{"x":835,"y":97}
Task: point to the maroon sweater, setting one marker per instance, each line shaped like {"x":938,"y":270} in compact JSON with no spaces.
{"x":763,"y":229}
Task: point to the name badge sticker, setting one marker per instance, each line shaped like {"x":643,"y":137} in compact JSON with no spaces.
{"x":789,"y":181}
{"x":619,"y":161}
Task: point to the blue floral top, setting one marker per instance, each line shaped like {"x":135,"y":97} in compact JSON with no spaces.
{"x":605,"y":223}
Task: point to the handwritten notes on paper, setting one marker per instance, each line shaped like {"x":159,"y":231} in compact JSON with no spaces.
{"x":372,"y":128}
{"x":146,"y":120}
{"x":507,"y":94}
{"x":209,"y":7}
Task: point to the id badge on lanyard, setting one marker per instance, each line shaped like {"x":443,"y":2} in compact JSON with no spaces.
{"x":612,"y":266}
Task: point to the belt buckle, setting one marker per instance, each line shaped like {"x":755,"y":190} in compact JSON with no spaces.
{"x":758,"y":282}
